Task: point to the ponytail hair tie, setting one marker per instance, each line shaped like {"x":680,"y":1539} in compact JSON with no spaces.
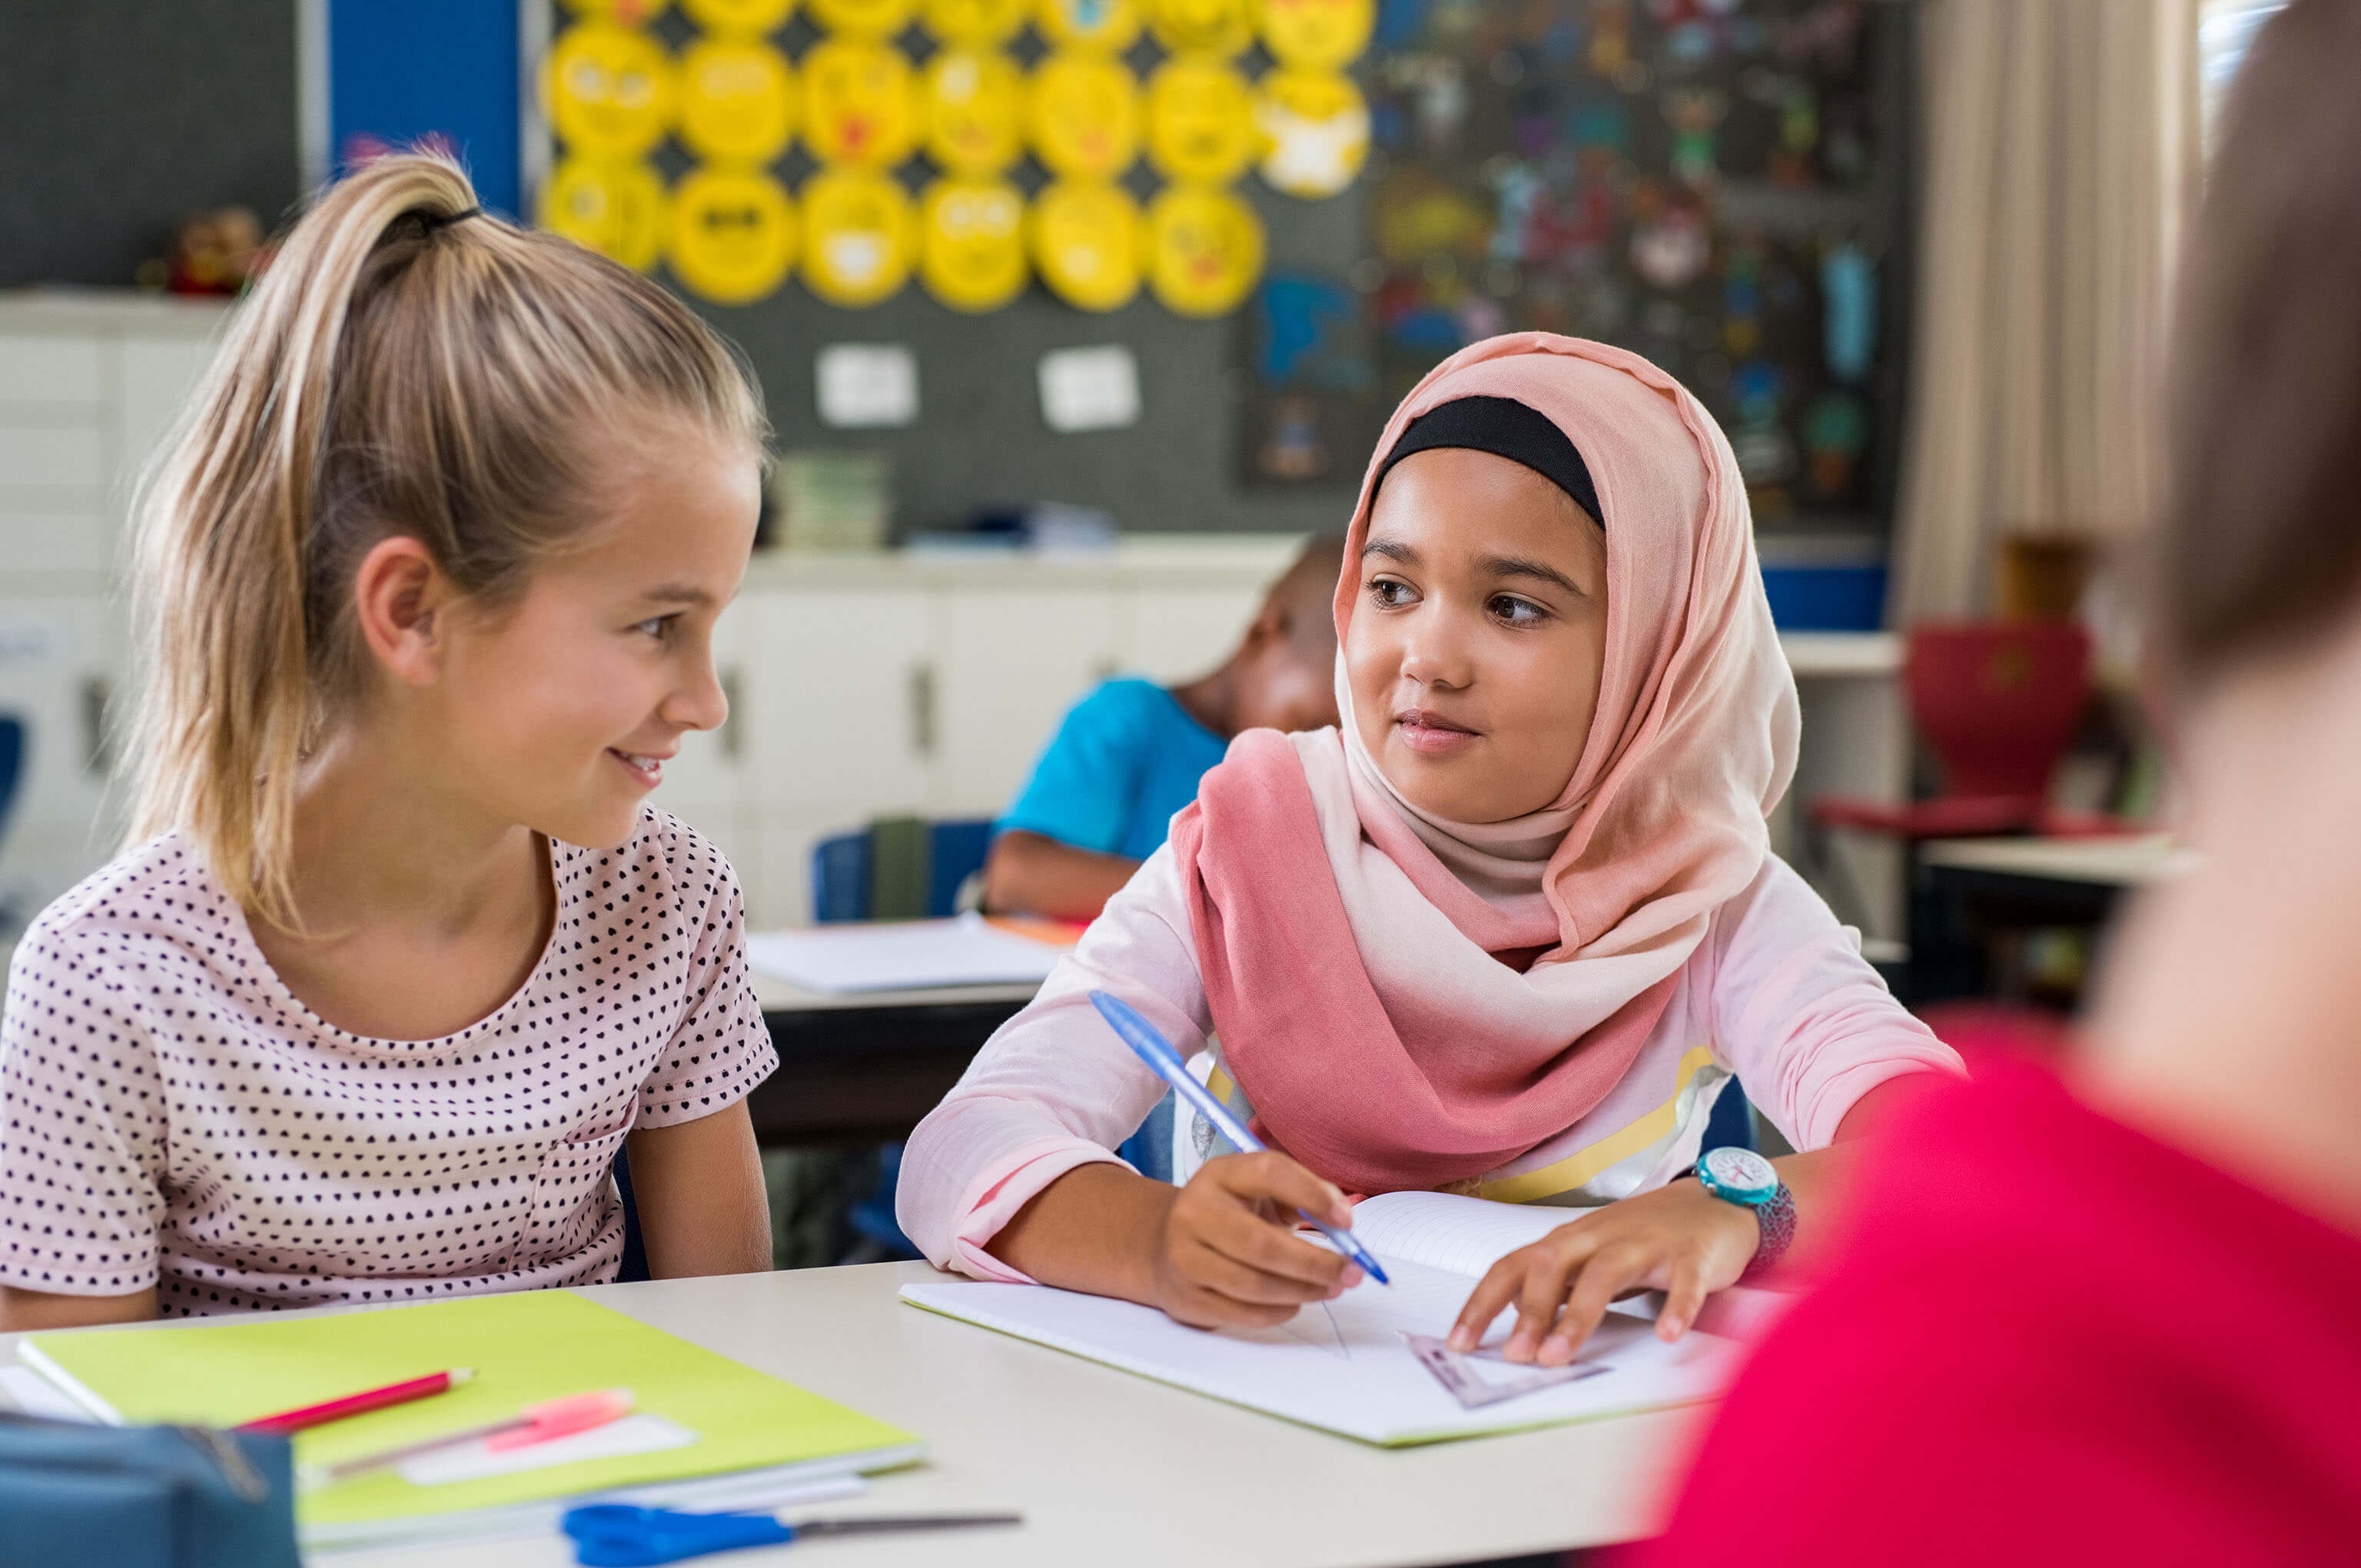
{"x":433,"y":222}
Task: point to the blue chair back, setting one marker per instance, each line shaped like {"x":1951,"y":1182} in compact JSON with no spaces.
{"x":636,"y":1246}
{"x":841,"y":865}
{"x":12,"y":763}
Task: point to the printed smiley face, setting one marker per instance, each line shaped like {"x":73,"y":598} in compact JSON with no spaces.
{"x":859,"y":103}
{"x":1220,"y":27}
{"x":624,"y":12}
{"x":609,"y":90}
{"x":972,"y":248}
{"x":1107,"y":26}
{"x":1086,"y":238}
{"x":733,"y":235}
{"x":1201,"y":120}
{"x":1316,"y":34}
{"x":1315,"y":131}
{"x":976,"y":23}
{"x":856,"y":239}
{"x":1204,"y":250}
{"x":1085,"y":116}
{"x":864,"y":19}
{"x":737,"y":100}
{"x":739,"y":18}
{"x":616,"y":208}
{"x":975,"y":111}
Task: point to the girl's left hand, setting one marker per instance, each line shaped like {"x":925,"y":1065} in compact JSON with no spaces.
{"x":1679,"y":1239}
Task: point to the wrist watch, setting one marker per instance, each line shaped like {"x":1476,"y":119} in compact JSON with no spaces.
{"x":1744,"y":1178}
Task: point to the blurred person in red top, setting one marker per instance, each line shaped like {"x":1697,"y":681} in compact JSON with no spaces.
{"x":2117,"y":1319}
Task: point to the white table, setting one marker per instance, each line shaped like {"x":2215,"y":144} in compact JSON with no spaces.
{"x":2122,"y":862}
{"x":1110,"y":1468}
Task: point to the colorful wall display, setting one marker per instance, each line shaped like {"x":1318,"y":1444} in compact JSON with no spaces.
{"x":780,"y":124}
{"x":1696,"y":180}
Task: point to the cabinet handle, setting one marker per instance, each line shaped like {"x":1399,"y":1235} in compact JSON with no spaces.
{"x":733,"y":730}
{"x":922,"y":709}
{"x":97,"y":748}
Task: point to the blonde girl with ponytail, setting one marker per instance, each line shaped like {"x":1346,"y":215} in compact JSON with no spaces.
{"x":399,"y":957}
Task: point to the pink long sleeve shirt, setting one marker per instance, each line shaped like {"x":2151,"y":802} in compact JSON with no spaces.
{"x":1777,"y":995}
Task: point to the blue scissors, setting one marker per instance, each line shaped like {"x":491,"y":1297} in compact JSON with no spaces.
{"x":616,"y":1535}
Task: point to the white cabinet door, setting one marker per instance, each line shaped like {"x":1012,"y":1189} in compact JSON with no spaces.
{"x":61,"y":662}
{"x":836,"y":698}
{"x":1012,"y":663}
{"x":1175,"y":634}
{"x":159,"y":374}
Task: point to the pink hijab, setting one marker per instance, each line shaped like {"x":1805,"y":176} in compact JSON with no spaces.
{"x":1347,"y":941}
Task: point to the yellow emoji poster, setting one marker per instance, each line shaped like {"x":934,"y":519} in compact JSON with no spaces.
{"x":733,"y":235}
{"x":1086,"y":236}
{"x":976,"y":23}
{"x":623,"y":13}
{"x":1205,"y":249}
{"x":1315,"y":132}
{"x":856,"y":239}
{"x":1083,"y":113}
{"x":864,"y":19}
{"x":1105,"y":24}
{"x":971,"y":243}
{"x":975,"y":111}
{"x":1201,"y":120}
{"x":614,"y":206}
{"x":737,"y":100}
{"x":1220,"y":27}
{"x":1316,"y":34}
{"x":739,"y":18}
{"x":609,"y":90}
{"x":860,"y":106}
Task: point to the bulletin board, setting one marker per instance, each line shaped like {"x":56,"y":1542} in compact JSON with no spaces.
{"x":1719,"y":185}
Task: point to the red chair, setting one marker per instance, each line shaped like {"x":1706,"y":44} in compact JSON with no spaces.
{"x":1998,"y":703}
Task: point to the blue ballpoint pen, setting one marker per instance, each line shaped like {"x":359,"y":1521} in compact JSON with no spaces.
{"x":1157,"y":1051}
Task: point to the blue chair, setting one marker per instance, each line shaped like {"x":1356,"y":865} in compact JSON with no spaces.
{"x":635,"y":1245}
{"x":1732,"y":1123}
{"x":853,"y":879}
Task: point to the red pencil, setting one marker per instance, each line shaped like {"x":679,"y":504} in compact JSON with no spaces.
{"x":295,"y":1420}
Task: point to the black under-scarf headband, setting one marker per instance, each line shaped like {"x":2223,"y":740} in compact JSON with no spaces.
{"x":1505,"y":428}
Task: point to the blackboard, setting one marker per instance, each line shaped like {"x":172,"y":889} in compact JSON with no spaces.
{"x":119,"y":116}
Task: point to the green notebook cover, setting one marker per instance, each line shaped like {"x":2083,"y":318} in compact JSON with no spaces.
{"x":524,"y":1348}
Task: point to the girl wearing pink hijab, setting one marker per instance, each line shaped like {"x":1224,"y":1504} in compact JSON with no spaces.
{"x":1509,"y":930}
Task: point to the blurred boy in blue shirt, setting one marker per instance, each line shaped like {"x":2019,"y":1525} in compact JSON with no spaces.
{"x":1127,"y":757}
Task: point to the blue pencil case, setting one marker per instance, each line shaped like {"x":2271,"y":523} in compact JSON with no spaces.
{"x":144,"y":1497}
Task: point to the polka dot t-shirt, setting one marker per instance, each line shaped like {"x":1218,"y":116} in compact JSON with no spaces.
{"x":170,"y":1114}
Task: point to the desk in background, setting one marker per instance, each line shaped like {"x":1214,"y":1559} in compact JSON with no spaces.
{"x":1973,"y":902}
{"x":864,"y":1066}
{"x":1111,"y":1468}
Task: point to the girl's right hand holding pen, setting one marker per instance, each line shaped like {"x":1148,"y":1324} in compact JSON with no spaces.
{"x":1226,"y":1251}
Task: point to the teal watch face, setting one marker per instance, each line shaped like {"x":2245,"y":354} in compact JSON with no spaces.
{"x":1741,"y":1176}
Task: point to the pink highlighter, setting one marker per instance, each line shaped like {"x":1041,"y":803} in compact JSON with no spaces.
{"x":534,"y":1424}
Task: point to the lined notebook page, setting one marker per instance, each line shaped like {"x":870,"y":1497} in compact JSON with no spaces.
{"x":1443,"y":1230}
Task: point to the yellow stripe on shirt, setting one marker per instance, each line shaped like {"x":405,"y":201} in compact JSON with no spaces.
{"x":1578,"y":1169}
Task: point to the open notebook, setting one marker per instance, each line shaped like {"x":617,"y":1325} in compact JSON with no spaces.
{"x":1345,"y":1365}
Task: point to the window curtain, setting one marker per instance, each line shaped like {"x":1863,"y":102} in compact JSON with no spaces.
{"x":2063,"y":151}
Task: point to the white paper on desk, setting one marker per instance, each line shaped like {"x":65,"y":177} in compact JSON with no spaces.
{"x":902,"y":956}
{"x":643,"y":1434}
{"x":35,"y":1395}
{"x":1344,"y":1366}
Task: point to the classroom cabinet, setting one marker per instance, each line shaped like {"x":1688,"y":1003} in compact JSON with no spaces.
{"x":869,"y":687}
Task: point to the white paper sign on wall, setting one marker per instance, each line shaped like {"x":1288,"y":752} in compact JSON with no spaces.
{"x":1089,"y":389}
{"x":867,"y":386}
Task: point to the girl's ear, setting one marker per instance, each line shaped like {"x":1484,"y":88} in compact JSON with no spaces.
{"x":400,"y":598}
